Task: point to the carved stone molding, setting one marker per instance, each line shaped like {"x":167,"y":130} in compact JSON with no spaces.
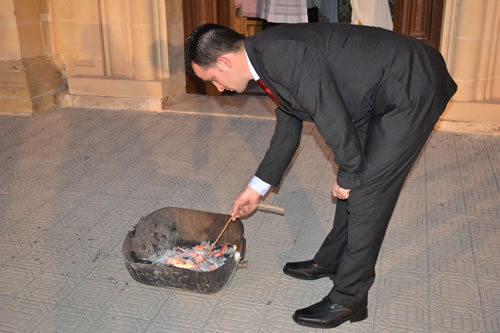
{"x":470,"y":46}
{"x":121,"y":48}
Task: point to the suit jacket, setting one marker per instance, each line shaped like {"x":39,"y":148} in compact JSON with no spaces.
{"x":335,"y":75}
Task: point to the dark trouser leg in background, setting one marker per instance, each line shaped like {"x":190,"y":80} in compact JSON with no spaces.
{"x":389,"y":159}
{"x":330,"y":252}
{"x":351,"y":248}
{"x":369,"y":209}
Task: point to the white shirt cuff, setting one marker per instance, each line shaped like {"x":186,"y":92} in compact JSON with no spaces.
{"x":259,"y":185}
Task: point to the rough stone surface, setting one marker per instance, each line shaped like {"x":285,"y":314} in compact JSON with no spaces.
{"x":29,"y":85}
{"x":73,"y":181}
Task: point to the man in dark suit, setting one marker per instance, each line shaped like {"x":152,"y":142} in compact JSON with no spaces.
{"x":374,"y":97}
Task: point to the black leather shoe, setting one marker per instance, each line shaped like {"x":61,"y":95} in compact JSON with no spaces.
{"x":326,"y":314}
{"x":306,"y":270}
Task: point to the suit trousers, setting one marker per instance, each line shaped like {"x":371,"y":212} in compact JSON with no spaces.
{"x":392,"y":141}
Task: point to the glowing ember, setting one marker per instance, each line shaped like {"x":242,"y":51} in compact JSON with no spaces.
{"x":195,"y":258}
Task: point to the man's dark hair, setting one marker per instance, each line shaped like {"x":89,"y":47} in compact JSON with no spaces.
{"x":209,"y":41}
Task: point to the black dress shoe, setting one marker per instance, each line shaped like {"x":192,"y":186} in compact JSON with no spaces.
{"x":326,"y":314}
{"x":306,"y":270}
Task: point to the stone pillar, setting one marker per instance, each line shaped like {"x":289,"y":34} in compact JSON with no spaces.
{"x":121,"y":53}
{"x":29,"y":79}
{"x":471,"y":47}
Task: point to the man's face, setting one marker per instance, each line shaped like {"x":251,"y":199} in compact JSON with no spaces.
{"x":223,"y":75}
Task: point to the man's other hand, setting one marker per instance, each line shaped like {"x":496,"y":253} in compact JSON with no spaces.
{"x":339,"y":192}
{"x":245,"y":203}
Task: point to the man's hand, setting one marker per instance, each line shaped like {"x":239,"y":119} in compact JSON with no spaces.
{"x":245,"y":203}
{"x":339,"y":192}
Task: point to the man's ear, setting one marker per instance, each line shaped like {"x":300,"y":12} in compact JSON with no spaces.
{"x":224,"y":62}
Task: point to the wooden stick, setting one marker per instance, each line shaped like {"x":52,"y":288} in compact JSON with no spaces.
{"x":274,"y":208}
{"x":220,"y":235}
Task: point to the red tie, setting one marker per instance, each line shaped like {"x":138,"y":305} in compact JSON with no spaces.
{"x":266,"y":89}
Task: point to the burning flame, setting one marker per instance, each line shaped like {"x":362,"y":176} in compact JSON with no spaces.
{"x":181,"y":263}
{"x":191,"y":259}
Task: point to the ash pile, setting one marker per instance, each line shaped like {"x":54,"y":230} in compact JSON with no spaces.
{"x":195,"y":258}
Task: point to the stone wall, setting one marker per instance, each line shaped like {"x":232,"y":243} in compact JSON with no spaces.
{"x":128,"y":53}
{"x":470,"y":45}
{"x":29,"y":80}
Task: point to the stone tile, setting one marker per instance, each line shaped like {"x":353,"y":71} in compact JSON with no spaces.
{"x":15,"y":211}
{"x":86,"y":184}
{"x":407,"y":205}
{"x":488,"y":268}
{"x":235,"y":316}
{"x":61,"y":237}
{"x":262,"y":265}
{"x":77,"y":262}
{"x":100,"y":204}
{"x":454,"y":243}
{"x":414,"y":222}
{"x":458,"y":265}
{"x":448,"y":317}
{"x":9,"y":251}
{"x":133,"y":208}
{"x":23,"y":232}
{"x":62,"y":226}
{"x":444,"y":190}
{"x":445,"y":289}
{"x":15,"y":279}
{"x":447,"y":224}
{"x":91,"y":295}
{"x":6,"y":300}
{"x":134,"y":302}
{"x":483,"y":203}
{"x":490,"y":294}
{"x":297,"y":294}
{"x":119,"y":324}
{"x":23,"y":315}
{"x":415,"y":186}
{"x":97,"y":241}
{"x":251,"y":288}
{"x":118,"y":223}
{"x":401,"y":286}
{"x":405,"y":239}
{"x":49,"y":288}
{"x":446,"y":206}
{"x":406,"y":314}
{"x":191,"y":310}
{"x":277,"y":319}
{"x":486,"y":245}
{"x":44,"y":218}
{"x":381,"y":328}
{"x":38,"y":258}
{"x":68,"y":319}
{"x":80,"y":219}
{"x":110,"y":269}
{"x":273,"y":243}
{"x":305,"y":246}
{"x":56,"y":261}
{"x":404,"y":260}
{"x":484,"y":226}
{"x":491,"y":320}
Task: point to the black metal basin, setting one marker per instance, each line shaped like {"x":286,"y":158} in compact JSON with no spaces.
{"x":169,"y":227}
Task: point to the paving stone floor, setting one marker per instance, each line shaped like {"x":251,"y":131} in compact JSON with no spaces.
{"x":74,"y":181}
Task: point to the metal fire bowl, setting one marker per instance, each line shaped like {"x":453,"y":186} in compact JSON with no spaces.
{"x":169,"y":227}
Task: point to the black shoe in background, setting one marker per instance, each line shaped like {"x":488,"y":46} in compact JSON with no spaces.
{"x":306,"y":270}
